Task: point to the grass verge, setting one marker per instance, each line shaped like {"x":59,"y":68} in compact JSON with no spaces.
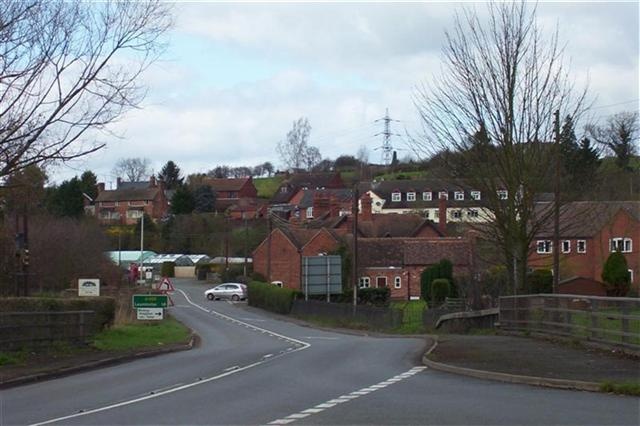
{"x":412,"y":311}
{"x":622,"y":388}
{"x":142,"y":335}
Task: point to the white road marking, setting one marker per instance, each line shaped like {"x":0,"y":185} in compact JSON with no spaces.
{"x":345,"y":398}
{"x":300,"y":346}
{"x":320,"y":338}
{"x":235,"y":367}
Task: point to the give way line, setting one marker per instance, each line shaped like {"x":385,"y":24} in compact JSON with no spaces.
{"x":300,"y":345}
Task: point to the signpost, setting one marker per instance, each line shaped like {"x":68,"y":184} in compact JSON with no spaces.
{"x":150,"y":314}
{"x":88,"y":287}
{"x":149,"y":301}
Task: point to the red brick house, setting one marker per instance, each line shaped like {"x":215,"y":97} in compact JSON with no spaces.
{"x":291,"y":186}
{"x":129,"y":201}
{"x":231,"y":191}
{"x":589,"y":233}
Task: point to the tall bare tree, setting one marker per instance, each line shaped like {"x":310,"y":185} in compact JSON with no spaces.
{"x":68,"y":69}
{"x":618,"y":137}
{"x":296,"y":153}
{"x":132,"y":169}
{"x":491,"y":112}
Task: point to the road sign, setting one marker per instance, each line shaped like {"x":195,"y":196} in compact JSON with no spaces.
{"x":150,"y":301}
{"x":88,"y":287}
{"x":150,"y":314}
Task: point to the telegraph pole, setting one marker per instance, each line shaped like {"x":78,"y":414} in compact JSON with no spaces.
{"x":556,"y":205}
{"x":269,"y":230}
{"x":355,"y":247}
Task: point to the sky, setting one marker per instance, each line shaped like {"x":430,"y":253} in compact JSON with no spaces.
{"x":235,"y":76}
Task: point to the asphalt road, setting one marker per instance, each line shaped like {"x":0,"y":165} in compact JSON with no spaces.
{"x":254,"y":369}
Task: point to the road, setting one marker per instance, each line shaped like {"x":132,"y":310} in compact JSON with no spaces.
{"x":254,"y":369}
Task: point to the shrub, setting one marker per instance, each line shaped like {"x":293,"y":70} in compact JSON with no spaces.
{"x":270,"y":297}
{"x":615,"y":275}
{"x":439,"y":290}
{"x":540,"y":281}
{"x":257,"y":276}
{"x":168,"y":269}
{"x":374,"y":296}
{"x":442,"y":269}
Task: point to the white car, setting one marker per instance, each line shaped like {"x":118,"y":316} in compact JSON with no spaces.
{"x":233,"y":291}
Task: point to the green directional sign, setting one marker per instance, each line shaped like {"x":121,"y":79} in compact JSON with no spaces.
{"x":150,"y":301}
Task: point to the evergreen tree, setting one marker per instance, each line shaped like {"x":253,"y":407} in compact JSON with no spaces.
{"x":89,"y":183}
{"x":182,"y":201}
{"x":615,"y":274}
{"x":170,"y":175}
{"x":67,"y":199}
{"x":204,"y":199}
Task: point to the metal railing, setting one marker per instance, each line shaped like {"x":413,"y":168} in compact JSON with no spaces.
{"x":611,"y":321}
{"x":29,"y":329}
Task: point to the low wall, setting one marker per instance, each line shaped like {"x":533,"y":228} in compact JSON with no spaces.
{"x":457,"y":322}
{"x":185,"y":271}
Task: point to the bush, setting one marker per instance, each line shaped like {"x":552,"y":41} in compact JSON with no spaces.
{"x":442,"y":269}
{"x":374,"y":296}
{"x":104,"y":307}
{"x":257,"y":276}
{"x":270,"y":297}
{"x":540,"y":281}
{"x":168,"y":269}
{"x":440,"y":288}
{"x":615,"y":275}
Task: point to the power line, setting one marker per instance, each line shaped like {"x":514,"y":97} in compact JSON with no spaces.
{"x":387,"y":148}
{"x":616,"y":104}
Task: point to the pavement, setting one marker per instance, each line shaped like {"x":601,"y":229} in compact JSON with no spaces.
{"x":505,"y":358}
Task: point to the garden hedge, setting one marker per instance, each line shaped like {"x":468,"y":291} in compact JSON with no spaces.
{"x":270,"y":297}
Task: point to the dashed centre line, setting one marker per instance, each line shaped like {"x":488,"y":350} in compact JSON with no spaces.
{"x":346,"y":398}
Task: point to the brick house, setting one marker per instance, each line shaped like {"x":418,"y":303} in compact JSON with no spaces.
{"x":291,"y":186}
{"x":589,"y":233}
{"x":231,"y":192}
{"x":126,"y":204}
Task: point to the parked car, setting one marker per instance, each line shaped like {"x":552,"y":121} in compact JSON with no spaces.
{"x":233,"y":291}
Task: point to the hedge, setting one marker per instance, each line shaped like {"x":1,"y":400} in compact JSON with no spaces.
{"x":439,"y":290}
{"x":270,"y":297}
{"x":104,"y":307}
{"x":168,"y":269}
{"x":368,"y":296}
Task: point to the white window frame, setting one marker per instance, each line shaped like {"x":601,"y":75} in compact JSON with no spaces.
{"x":310,"y":212}
{"x":397,"y":282}
{"x":473,"y":213}
{"x":443,"y":193}
{"x":456,"y":214}
{"x":364,"y":282}
{"x":458,"y":196}
{"x":396,"y":196}
{"x":582,"y":243}
{"x":566,"y":246}
{"x":544,"y":246}
{"x":503,"y":194}
{"x":475,"y":195}
{"x":427,"y":196}
{"x":411,"y":196}
{"x":624,"y":244}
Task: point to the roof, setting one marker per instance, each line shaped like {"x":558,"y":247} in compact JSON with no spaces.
{"x":393,"y":225}
{"x":297,"y":181}
{"x":341,"y":195}
{"x":380,"y":252}
{"x":398,"y":252}
{"x":122,"y":185}
{"x":232,"y":184}
{"x":585,"y":218}
{"x":129,"y":255}
{"x":384,"y":189}
{"x":129,"y":194}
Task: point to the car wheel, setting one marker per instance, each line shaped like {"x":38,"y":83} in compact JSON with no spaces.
{"x":210,"y":296}
{"x":235,"y":297}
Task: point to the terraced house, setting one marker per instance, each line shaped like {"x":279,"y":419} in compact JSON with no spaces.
{"x":126,"y":204}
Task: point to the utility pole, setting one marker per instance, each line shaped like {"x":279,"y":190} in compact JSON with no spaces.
{"x":246,"y":237}
{"x":556,"y":205}
{"x":269,"y":230}
{"x":355,"y":247}
{"x":387,"y":148}
{"x":142,"y":273}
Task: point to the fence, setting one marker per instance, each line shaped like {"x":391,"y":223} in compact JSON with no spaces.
{"x":29,"y":329}
{"x":369,"y":317}
{"x":614,"y":322}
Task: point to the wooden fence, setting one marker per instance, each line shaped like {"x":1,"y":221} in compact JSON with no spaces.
{"x":611,"y":321}
{"x":29,"y":329}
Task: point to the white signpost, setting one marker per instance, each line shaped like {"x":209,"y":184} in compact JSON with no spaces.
{"x":88,"y":287}
{"x":150,"y":314}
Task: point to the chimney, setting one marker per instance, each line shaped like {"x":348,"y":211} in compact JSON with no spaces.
{"x":365,"y":210}
{"x":152,"y":181}
{"x":118,"y":182}
{"x":334,"y":206}
{"x":100,"y":187}
{"x":442,"y":215}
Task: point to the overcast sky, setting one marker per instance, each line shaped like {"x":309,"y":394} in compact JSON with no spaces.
{"x":236,"y":76}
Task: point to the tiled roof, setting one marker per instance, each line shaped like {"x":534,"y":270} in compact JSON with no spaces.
{"x":305,"y":180}
{"x":385,"y":189}
{"x":122,"y":185}
{"x":380,"y":252}
{"x":133,"y":194}
{"x":392,"y":225}
{"x":398,"y":252}
{"x":226,"y":184}
{"x":341,"y":195}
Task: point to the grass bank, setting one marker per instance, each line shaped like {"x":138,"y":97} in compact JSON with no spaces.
{"x":622,"y":388}
{"x":142,"y":335}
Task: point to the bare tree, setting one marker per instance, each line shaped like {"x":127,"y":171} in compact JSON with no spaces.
{"x":295,"y":153}
{"x":68,"y":69}
{"x":132,"y":169}
{"x":618,"y":136}
{"x":491,"y":112}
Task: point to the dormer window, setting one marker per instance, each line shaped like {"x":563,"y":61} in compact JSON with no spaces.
{"x":426,"y":196}
{"x":411,"y":196}
{"x":443,"y":194}
{"x":502,"y":194}
{"x":475,"y":195}
{"x":458,"y":196}
{"x":283,"y":190}
{"x":396,"y":196}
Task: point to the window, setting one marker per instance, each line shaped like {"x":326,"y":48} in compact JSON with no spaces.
{"x":426,"y":214}
{"x":475,"y":195}
{"x":624,"y":245}
{"x":411,"y":196}
{"x":309,"y":212}
{"x":566,"y":246}
{"x":473,"y":213}
{"x":365,"y":282}
{"x":502,"y":194}
{"x":396,"y":196}
{"x":134,"y":214}
{"x":397,"y":282}
{"x":581,"y":246}
{"x":458,"y":196}
{"x":283,"y":190}
{"x":443,"y":194}
{"x":456,"y":214}
{"x":426,"y":196}
{"x":544,"y":246}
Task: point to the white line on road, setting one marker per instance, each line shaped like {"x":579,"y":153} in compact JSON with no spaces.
{"x":320,"y":338}
{"x":300,"y":345}
{"x":345,"y":398}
